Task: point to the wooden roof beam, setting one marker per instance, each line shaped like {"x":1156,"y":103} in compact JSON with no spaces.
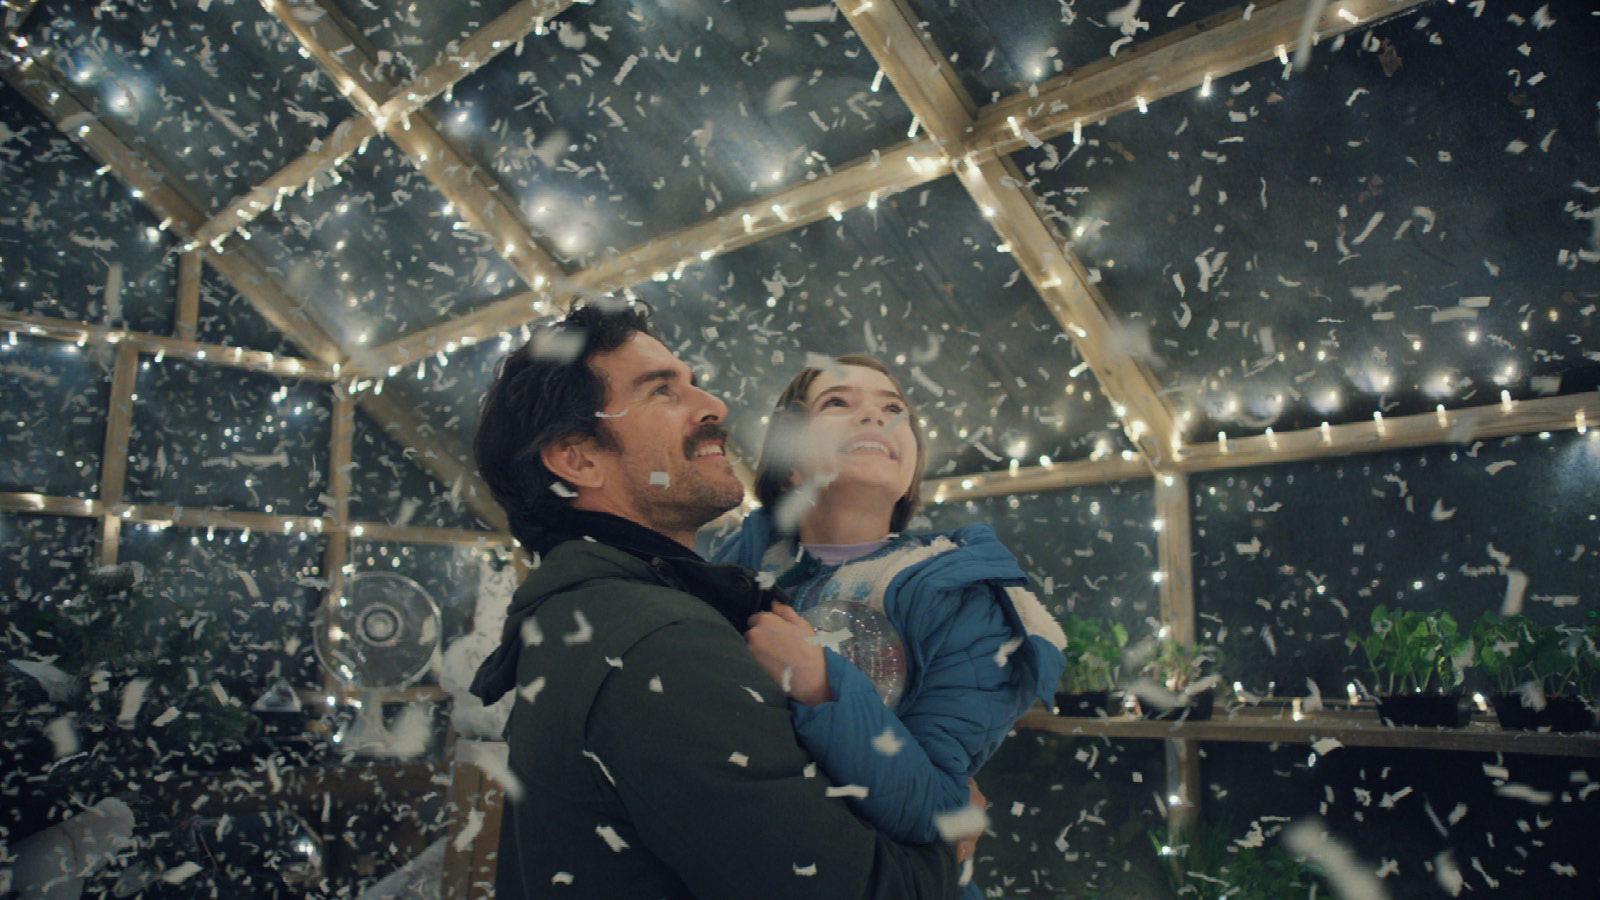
{"x":1220,"y":45}
{"x":38,"y":83}
{"x":1579,"y":412}
{"x":337,"y":48}
{"x":878,"y":175}
{"x":437,"y":455}
{"x":16,"y":15}
{"x":68,"y":330}
{"x":1454,"y":426}
{"x":506,"y":31}
{"x":1034,"y":479}
{"x":862,"y":182}
{"x":323,"y":158}
{"x":352,"y":135}
{"x":447,"y":463}
{"x":919,"y":72}
{"x":923,"y":76}
{"x":1076,"y":303}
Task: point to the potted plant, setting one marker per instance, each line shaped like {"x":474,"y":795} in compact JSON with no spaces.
{"x":1417,"y":660}
{"x":1093,"y":651}
{"x":1539,"y":671}
{"x":1181,"y":690}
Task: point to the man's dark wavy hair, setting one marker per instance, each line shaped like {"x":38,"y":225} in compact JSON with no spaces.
{"x":545,"y":391}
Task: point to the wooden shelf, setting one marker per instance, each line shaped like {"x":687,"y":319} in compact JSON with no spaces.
{"x":1355,"y":728}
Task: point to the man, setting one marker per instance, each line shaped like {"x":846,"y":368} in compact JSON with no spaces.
{"x":654,"y":758}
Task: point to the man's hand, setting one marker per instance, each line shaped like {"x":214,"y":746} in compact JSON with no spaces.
{"x":783,"y":646}
{"x":967,"y":846}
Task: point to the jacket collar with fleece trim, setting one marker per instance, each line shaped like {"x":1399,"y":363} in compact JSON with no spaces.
{"x":967,"y":556}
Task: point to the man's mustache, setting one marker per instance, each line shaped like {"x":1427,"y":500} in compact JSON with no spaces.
{"x":705,"y":433}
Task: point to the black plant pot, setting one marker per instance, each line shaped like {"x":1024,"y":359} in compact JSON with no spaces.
{"x":1430,"y":710}
{"x":1566,"y":715}
{"x":1084,"y":704}
{"x":1198,"y":709}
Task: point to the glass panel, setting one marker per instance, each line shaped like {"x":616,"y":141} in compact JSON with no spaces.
{"x":1322,"y":247}
{"x":227,"y":318}
{"x":216,"y":93}
{"x":415,"y":34}
{"x":387,"y":486}
{"x":1072,"y":818}
{"x":378,"y":254}
{"x":53,"y":428}
{"x":1003,"y":47}
{"x":1419,"y":819}
{"x":919,"y":283}
{"x":1291,"y":559}
{"x":445,"y":389}
{"x":1089,"y":550}
{"x":222,"y":438}
{"x":75,"y":244}
{"x":261,"y":588}
{"x":43,"y":561}
{"x":630,"y":121}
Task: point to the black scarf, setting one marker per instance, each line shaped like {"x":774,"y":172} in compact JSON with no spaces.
{"x":730,"y":590}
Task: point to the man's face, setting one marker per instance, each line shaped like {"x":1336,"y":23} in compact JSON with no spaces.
{"x":668,"y":471}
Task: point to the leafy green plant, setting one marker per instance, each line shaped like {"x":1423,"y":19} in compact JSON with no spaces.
{"x":1207,"y":864}
{"x":1514,"y":650}
{"x":1410,"y":650}
{"x":1177,"y":665}
{"x":108,"y":637}
{"x":1586,"y":647}
{"x":1094,"y":651}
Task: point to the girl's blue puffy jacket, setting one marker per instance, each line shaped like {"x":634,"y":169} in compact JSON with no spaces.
{"x":979,"y":650}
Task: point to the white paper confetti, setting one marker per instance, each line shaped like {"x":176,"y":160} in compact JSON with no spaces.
{"x":612,"y":839}
{"x":181,"y":872}
{"x":1351,"y":878}
{"x":1524,"y":792}
{"x":469,"y":830}
{"x":888,"y":743}
{"x":63,"y":736}
{"x":530,"y":691}
{"x":583,"y":635}
{"x":961,"y":823}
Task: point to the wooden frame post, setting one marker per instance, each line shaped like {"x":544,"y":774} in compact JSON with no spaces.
{"x":189,"y":273}
{"x":1175,"y":553}
{"x":114,"y":452}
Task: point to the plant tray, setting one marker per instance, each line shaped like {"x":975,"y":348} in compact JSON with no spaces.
{"x":1430,"y":710}
{"x":1565,"y":715}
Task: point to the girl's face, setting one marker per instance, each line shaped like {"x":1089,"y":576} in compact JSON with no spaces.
{"x":858,"y":431}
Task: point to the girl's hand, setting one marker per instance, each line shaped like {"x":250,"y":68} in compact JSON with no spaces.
{"x":784,"y":647}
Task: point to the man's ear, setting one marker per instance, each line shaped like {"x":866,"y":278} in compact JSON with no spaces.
{"x":574,"y":459}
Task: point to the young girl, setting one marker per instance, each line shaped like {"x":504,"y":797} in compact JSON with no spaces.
{"x":907,"y":657}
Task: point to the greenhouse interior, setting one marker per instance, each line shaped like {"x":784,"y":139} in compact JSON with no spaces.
{"x":1298,"y":433}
